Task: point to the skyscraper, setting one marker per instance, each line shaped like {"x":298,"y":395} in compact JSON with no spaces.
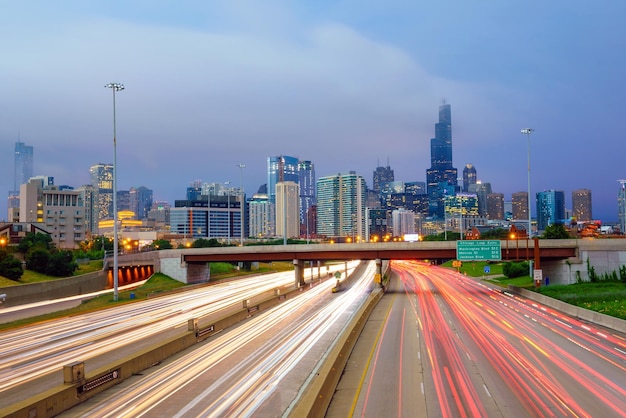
{"x":102,"y":182}
{"x":550,"y":208}
{"x":469,"y":177}
{"x":495,"y":206}
{"x":140,"y":201}
{"x":382,"y":175}
{"x":581,"y":204}
{"x":23,"y":171}
{"x":23,"y":164}
{"x":341,"y":206}
{"x":441,"y":173}
{"x":280,"y":168}
{"x":287,"y":209}
{"x":519,"y":205}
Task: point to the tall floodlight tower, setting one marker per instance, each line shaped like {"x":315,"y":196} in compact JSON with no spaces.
{"x":621,"y":202}
{"x":528,"y":132}
{"x":115,"y":87}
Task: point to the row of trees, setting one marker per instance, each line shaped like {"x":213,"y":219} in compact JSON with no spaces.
{"x":40,"y":255}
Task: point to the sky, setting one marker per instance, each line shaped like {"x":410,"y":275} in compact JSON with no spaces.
{"x":347,"y":84}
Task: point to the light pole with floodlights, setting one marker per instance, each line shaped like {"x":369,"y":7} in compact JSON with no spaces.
{"x":241,"y":167}
{"x":227,"y":183}
{"x":527,"y":132}
{"x":115,"y":87}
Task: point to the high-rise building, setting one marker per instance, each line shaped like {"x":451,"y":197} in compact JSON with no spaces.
{"x":279,"y":169}
{"x":581,"y":205}
{"x":140,"y":201}
{"x":215,"y":216}
{"x":287,"y":209}
{"x":519,"y":206}
{"x":495,"y":206}
{"x":378,"y":226}
{"x":22,"y":172}
{"x":262,"y":216}
{"x":58,"y":210}
{"x":403,"y":222}
{"x":469,"y":177}
{"x":441,"y":176}
{"x":23,"y":164}
{"x":102,"y":181}
{"x":341,"y":206}
{"x":306,"y":181}
{"x":482,"y":190}
{"x":550,"y":208}
{"x":382,"y":175}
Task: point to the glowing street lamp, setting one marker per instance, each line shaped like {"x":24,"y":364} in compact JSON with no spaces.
{"x":241,"y":167}
{"x":115,"y":87}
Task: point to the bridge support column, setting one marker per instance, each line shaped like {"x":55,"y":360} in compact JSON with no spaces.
{"x":298,"y":268}
{"x":378,"y":277}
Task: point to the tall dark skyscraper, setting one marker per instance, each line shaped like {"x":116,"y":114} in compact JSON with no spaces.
{"x":441,"y":176}
{"x":469,"y":177}
{"x":382,"y":175}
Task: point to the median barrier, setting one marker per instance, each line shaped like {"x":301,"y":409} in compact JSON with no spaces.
{"x":594,"y":317}
{"x":315,"y":396}
{"x":63,"y":397}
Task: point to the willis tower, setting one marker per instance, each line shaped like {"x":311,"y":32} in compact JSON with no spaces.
{"x":441,"y":177}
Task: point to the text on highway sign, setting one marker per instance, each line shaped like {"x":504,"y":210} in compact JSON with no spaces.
{"x":478,"y":250}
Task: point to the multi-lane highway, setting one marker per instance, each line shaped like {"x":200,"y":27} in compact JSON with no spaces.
{"x":255,"y":369}
{"x":32,"y":357}
{"x":445,"y":345}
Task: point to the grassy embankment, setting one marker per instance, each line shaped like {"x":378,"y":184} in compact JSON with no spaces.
{"x":158,"y":283}
{"x":607,"y":297}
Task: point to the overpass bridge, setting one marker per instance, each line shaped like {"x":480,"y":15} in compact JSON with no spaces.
{"x":564,"y":261}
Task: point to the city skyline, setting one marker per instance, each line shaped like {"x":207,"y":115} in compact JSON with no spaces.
{"x":211,"y":86}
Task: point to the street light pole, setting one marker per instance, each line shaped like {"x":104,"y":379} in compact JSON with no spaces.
{"x":115,"y":87}
{"x":528,"y":132}
{"x":241,"y":167}
{"x":228,"y":210}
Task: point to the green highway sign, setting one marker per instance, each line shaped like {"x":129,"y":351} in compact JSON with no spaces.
{"x":478,"y":250}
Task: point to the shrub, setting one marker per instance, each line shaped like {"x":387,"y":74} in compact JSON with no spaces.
{"x":513,"y":269}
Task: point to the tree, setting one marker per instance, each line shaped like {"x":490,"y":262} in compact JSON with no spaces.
{"x":205,"y":243}
{"x":556,"y":231}
{"x":37,"y":259}
{"x":32,"y":240}
{"x":61,"y":264}
{"x":11,"y":268}
{"x":161,"y":244}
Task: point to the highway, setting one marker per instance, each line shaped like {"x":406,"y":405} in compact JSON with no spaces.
{"x":441,"y":344}
{"x":255,"y":369}
{"x":32,"y":357}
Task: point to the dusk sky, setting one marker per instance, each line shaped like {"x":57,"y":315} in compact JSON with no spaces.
{"x":348,"y":85}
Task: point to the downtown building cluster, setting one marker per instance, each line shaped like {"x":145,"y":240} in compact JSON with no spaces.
{"x":292,"y":203}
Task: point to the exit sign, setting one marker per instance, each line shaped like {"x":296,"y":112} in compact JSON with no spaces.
{"x":478,"y":250}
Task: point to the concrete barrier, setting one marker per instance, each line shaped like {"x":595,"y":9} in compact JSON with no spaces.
{"x":54,"y":289}
{"x":61,"y":398}
{"x":316,"y":396}
{"x":598,"y":318}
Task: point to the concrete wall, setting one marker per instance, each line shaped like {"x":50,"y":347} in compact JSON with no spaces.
{"x":54,"y":289}
{"x":585,"y":314}
{"x":605,"y":255}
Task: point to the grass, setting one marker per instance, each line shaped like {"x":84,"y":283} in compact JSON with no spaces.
{"x":495,"y":275}
{"x":608,"y":297}
{"x":158,"y":283}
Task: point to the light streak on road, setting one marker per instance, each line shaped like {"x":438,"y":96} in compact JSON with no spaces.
{"x":242,"y":371}
{"x":29,"y":353}
{"x":489,"y":352}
